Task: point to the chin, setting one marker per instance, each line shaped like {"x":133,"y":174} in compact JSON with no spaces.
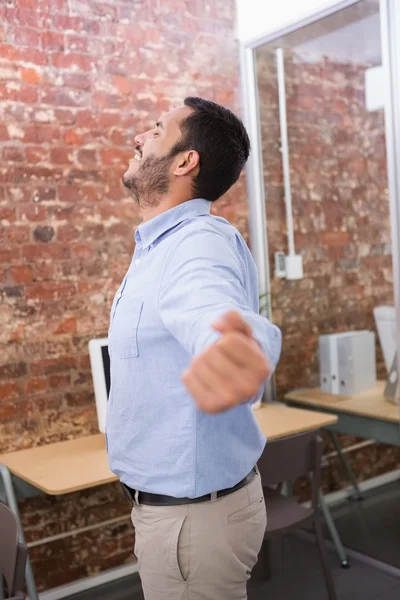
{"x":128,"y":179}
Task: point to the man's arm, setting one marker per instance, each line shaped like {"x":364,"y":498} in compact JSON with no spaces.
{"x":203,"y":303}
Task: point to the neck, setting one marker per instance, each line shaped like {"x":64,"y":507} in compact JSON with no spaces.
{"x":149,"y":210}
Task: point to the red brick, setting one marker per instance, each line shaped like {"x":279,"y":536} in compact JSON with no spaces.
{"x":76,"y":43}
{"x":79,"y":398}
{"x":49,"y":366}
{"x":13,"y":370}
{"x":119,"y":211}
{"x":104,"y":100}
{"x":37,"y":134}
{"x":67,"y":326}
{"x":3,"y":133}
{"x":124,"y":85}
{"x":85,"y":118}
{"x":8,"y":254}
{"x":30,"y":55}
{"x":8,"y":213}
{"x":9,"y":391}
{"x":13,"y":153}
{"x":36,"y":154}
{"x":44,"y":194}
{"x":82,"y":250}
{"x":28,"y":3}
{"x":72,"y":137}
{"x":57,"y":382}
{"x":49,"y":291}
{"x":24,"y":93}
{"x":9,"y":52}
{"x":34,"y":173}
{"x":335,"y":238}
{"x":46,"y":251}
{"x":61,"y":156}
{"x":75,"y":24}
{"x":109,"y":119}
{"x":17,"y":234}
{"x":68,"y":233}
{"x":65,"y":116}
{"x":63,"y":97}
{"x":35,"y":385}
{"x":32,"y":212}
{"x":30,"y":75}
{"x":23,"y":36}
{"x":87,"y":157}
{"x":80,"y":62}
{"x":77,"y":81}
{"x":53,"y":41}
{"x":21,"y":274}
{"x":87,"y":193}
{"x":110,"y":156}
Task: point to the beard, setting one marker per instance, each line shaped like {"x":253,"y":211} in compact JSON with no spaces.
{"x":151,"y":181}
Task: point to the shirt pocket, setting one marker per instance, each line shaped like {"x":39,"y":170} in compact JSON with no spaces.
{"x":124,"y":327}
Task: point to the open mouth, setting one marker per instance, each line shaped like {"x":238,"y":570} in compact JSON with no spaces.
{"x":137,"y":156}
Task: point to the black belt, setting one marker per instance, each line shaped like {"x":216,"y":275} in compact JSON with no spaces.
{"x":160,"y":500}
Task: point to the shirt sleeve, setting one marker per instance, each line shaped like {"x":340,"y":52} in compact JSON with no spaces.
{"x":203,"y":279}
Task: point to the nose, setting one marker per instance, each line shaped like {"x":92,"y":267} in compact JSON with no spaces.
{"x":140,"y":139}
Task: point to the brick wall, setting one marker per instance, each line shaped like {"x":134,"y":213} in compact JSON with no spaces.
{"x":341,"y":222}
{"x":77,"y":81}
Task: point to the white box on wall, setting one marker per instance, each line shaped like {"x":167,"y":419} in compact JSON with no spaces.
{"x":374,"y":88}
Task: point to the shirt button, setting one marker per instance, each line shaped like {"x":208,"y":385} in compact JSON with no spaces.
{"x":137,"y":261}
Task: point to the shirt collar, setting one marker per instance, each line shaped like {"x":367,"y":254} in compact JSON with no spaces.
{"x":147,"y":233}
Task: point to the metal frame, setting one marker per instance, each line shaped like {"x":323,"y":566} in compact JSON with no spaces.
{"x":254,"y":170}
{"x":390,"y":33}
{"x":386,"y":432}
{"x":7,"y":480}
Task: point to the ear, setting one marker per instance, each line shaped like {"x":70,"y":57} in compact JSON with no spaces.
{"x":188,"y":161}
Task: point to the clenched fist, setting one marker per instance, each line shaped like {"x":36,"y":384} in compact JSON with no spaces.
{"x":230,"y":371}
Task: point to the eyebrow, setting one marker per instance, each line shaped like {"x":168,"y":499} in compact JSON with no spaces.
{"x":160,"y":124}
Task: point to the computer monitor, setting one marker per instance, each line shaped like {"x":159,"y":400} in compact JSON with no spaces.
{"x":100,"y":364}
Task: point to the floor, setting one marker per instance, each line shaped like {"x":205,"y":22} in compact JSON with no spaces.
{"x":366,"y":527}
{"x":372,"y":526}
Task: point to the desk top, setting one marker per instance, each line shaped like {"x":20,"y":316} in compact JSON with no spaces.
{"x":371,"y":404}
{"x":66,"y":467}
{"x":278,"y":421}
{"x":63,"y":467}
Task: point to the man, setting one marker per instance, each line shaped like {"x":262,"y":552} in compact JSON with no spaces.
{"x":189,"y":353}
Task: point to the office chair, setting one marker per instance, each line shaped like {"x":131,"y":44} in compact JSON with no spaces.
{"x":285,"y":460}
{"x":13,"y":555}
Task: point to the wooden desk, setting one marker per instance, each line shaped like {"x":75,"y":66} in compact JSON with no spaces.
{"x":74,"y":465}
{"x":278,"y":421}
{"x":63,"y":467}
{"x":367,"y":415}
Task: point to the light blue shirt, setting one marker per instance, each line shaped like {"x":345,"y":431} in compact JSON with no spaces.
{"x":188,"y":268}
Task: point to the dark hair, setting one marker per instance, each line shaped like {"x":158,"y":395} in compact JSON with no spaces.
{"x":222,"y":142}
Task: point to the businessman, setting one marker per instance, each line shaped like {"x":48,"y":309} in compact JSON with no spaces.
{"x":189,"y":354}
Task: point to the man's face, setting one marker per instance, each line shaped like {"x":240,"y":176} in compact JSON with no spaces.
{"x":150,"y":171}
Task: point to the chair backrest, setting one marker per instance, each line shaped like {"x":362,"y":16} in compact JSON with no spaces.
{"x":13,"y":555}
{"x":291,"y":457}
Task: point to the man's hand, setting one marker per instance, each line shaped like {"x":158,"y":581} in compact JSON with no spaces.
{"x":230,"y":371}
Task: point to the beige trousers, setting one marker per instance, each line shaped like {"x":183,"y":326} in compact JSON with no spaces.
{"x":203,"y":551}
